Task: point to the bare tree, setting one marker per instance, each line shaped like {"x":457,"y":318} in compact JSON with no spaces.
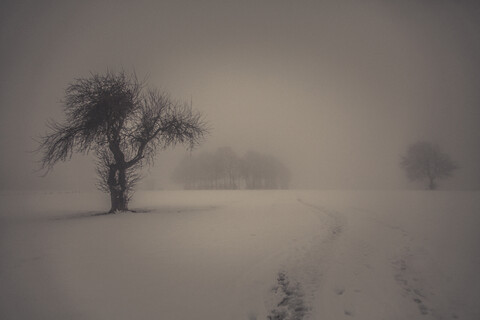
{"x":124,"y":124}
{"x":425,"y":161}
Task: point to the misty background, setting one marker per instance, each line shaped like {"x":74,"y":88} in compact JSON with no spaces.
{"x":335,"y":89}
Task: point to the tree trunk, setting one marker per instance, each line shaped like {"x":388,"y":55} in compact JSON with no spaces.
{"x":431,"y":184}
{"x":119,"y":201}
{"x":118,"y":189}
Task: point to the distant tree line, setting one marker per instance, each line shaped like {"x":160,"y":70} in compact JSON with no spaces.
{"x":224,"y":169}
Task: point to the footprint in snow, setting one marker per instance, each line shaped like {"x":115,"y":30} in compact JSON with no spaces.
{"x":339,"y":291}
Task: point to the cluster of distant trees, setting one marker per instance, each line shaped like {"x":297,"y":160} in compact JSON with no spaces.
{"x":224,"y":169}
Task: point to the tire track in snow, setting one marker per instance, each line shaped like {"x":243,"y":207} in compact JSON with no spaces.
{"x":307,"y":268}
{"x":261,"y":278}
{"x":354,"y":261}
{"x":413,"y":287}
{"x":416,"y":288}
{"x":336,"y":221}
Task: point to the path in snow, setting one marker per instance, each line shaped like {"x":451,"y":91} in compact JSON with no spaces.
{"x":357,"y":278}
{"x":303,"y":269}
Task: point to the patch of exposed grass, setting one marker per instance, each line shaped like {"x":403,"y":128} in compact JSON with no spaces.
{"x":291,"y":305}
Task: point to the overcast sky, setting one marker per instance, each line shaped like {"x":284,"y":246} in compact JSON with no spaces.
{"x":335,"y":89}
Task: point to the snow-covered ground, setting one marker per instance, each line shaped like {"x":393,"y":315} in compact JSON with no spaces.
{"x":241,"y":255}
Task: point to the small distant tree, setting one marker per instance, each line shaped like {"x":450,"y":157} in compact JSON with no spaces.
{"x":425,"y":161}
{"x":124,"y":124}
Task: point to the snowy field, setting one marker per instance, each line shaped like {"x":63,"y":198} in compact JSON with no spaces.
{"x":241,"y":255}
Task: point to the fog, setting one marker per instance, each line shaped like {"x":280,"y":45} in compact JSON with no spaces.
{"x":335,"y":89}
